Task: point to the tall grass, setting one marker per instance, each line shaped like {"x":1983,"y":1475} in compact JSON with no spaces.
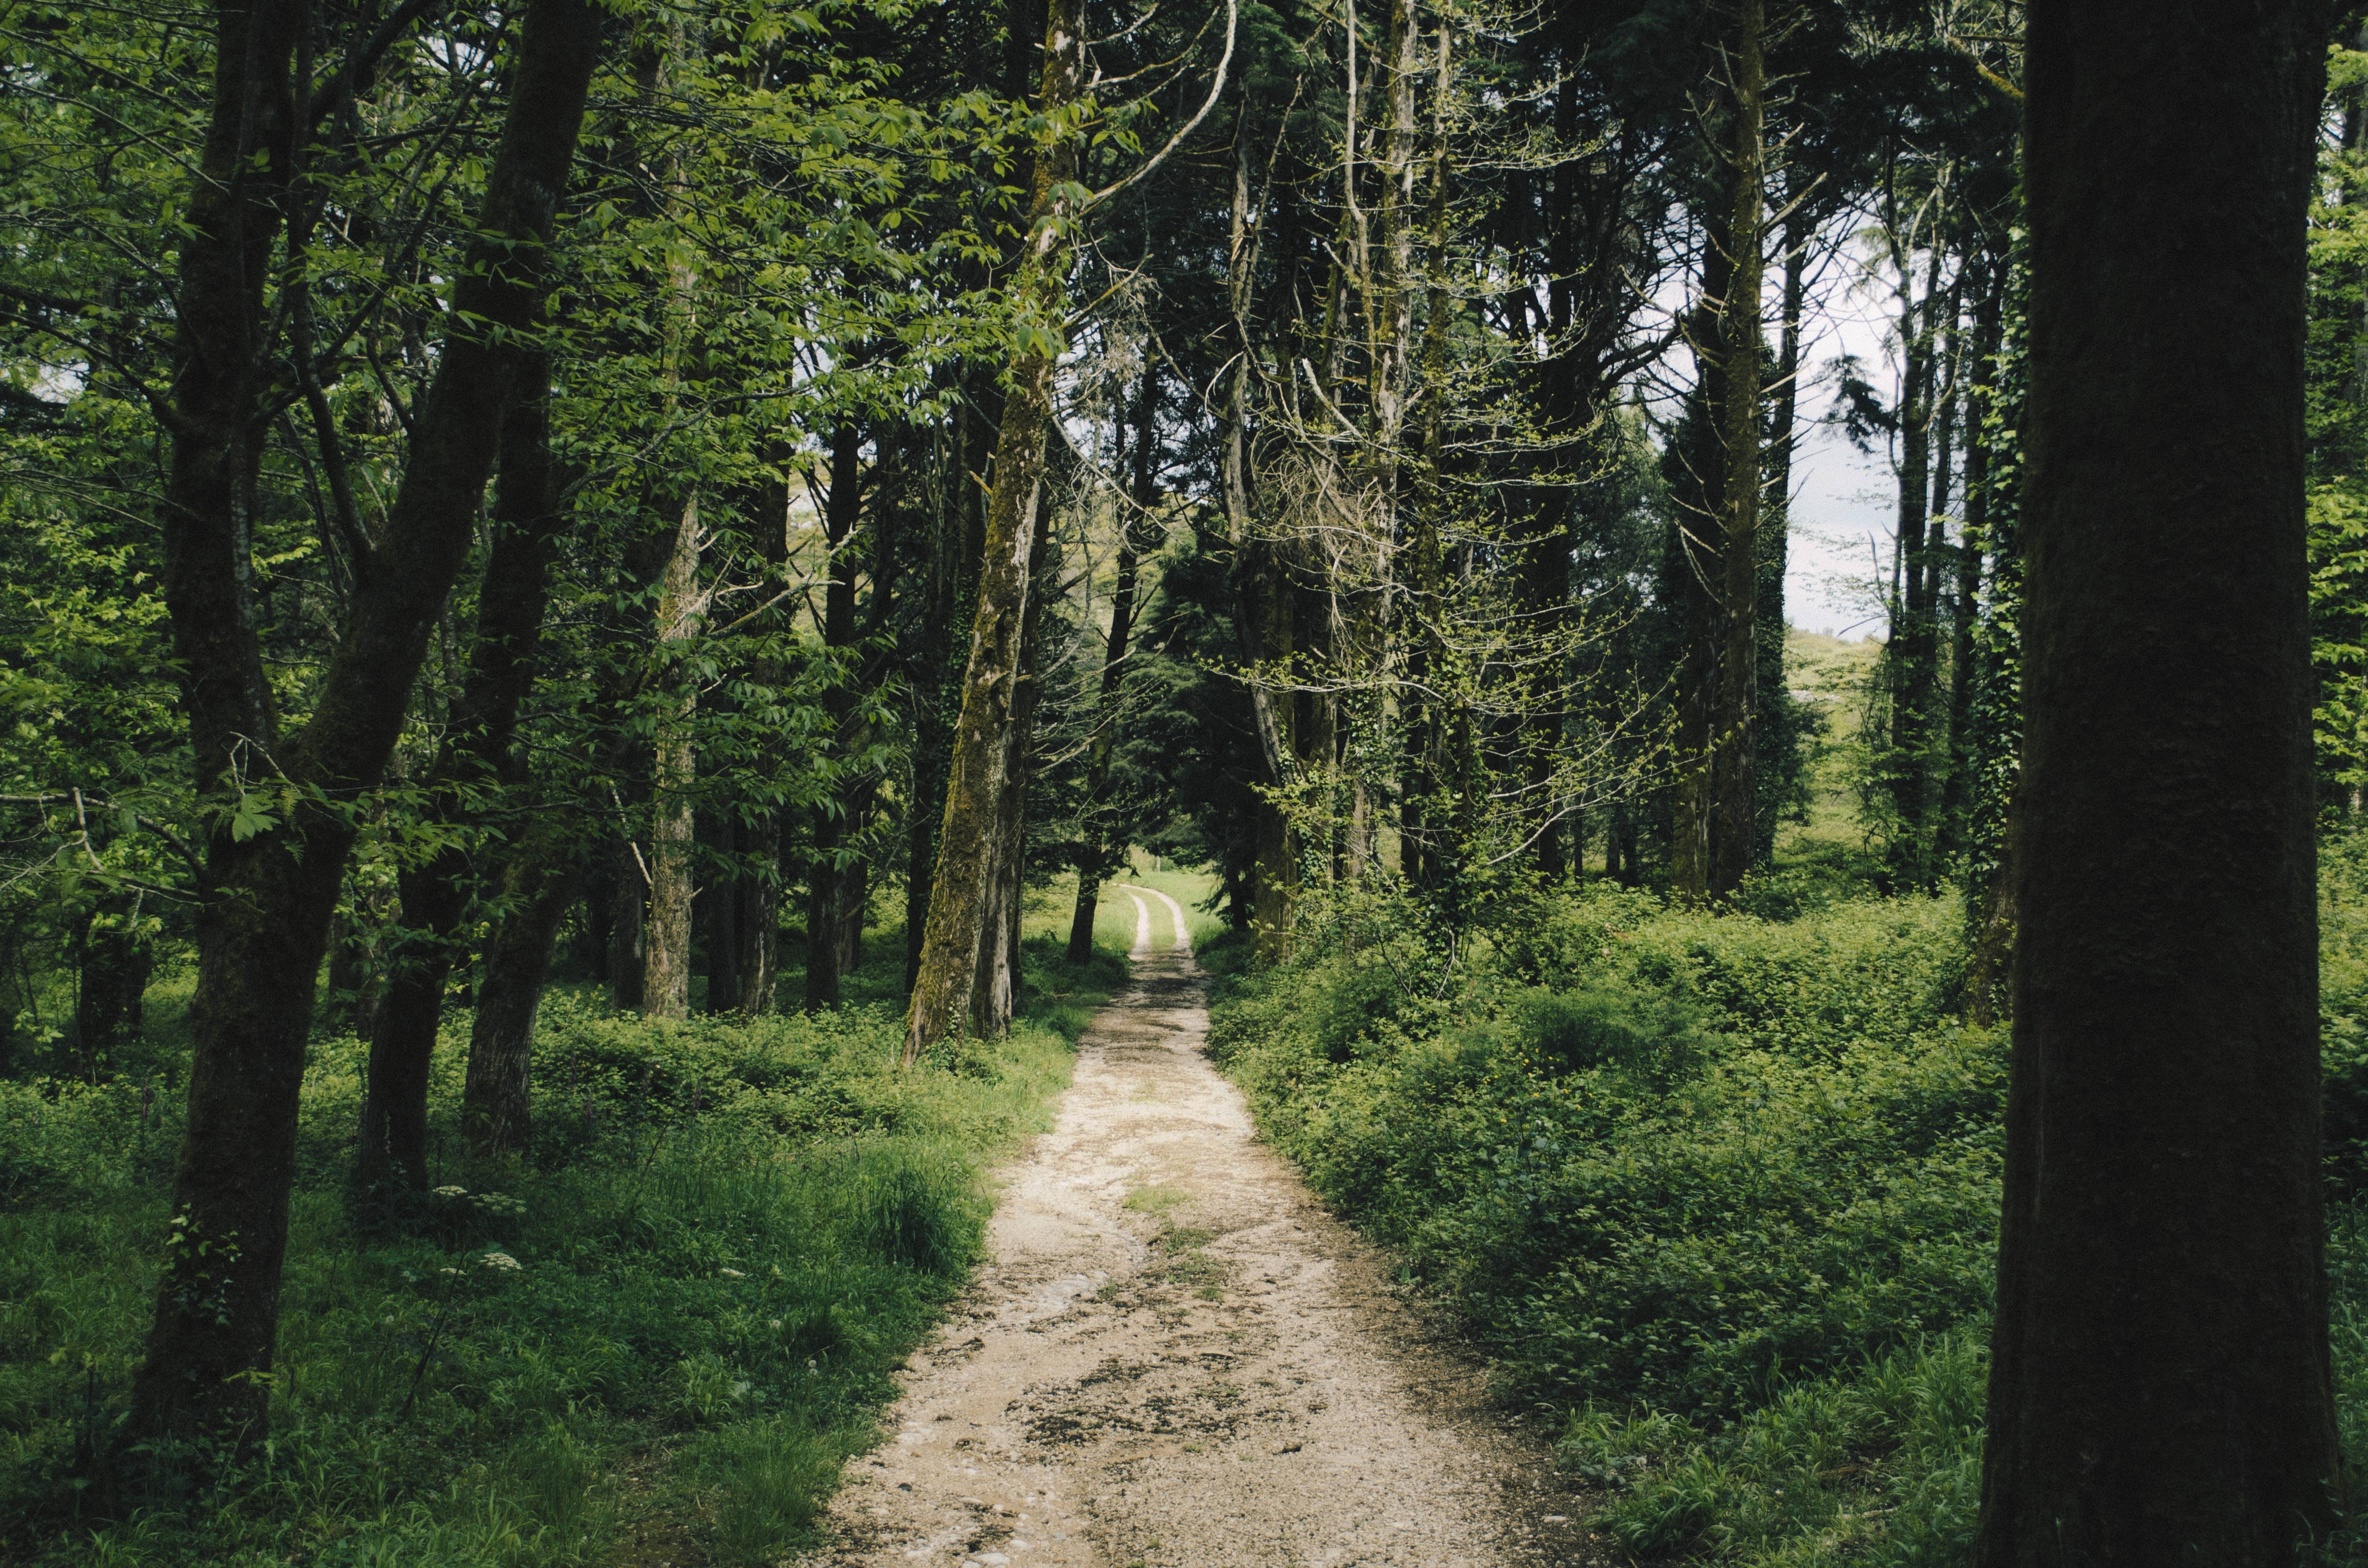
{"x":676,"y":1317}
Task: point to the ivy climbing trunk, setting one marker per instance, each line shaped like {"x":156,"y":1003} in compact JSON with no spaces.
{"x":266,"y":898}
{"x":958,"y":890}
{"x":2159,"y":1385}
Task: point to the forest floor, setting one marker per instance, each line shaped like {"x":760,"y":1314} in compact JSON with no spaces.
{"x":1172,"y":1356}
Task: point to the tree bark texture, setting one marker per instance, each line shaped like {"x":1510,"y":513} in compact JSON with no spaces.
{"x":475,"y":757}
{"x":832,"y":817}
{"x":1695,"y":572}
{"x":266,"y":900}
{"x":995,"y":998}
{"x":539,"y":879}
{"x":1737,"y":826}
{"x":629,"y":927}
{"x":674,"y":825}
{"x":1908,"y":651}
{"x":1974,"y":540}
{"x":1096,"y":851}
{"x":2159,"y":1388}
{"x":959,"y":889}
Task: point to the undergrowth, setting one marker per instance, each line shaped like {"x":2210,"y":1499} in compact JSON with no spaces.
{"x":671,"y":1323}
{"x":1717,"y":1192}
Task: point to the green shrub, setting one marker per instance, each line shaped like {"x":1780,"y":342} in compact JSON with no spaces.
{"x":725,"y":1236}
{"x":1722,"y":1188}
{"x":1652,"y":1156}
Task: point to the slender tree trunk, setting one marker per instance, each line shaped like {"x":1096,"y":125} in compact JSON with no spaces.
{"x":1737,"y":824}
{"x":1096,"y":861}
{"x":539,"y":881}
{"x":475,"y":754}
{"x":1908,"y":651}
{"x":266,"y":900}
{"x":1695,"y":570}
{"x":759,"y":918}
{"x":718,"y":916}
{"x":629,"y":929}
{"x":2159,"y":1385}
{"x":959,"y":890}
{"x":1775,"y":523}
{"x":1973,"y":540}
{"x":996,"y":998}
{"x":825,"y":909}
{"x":665,"y":979}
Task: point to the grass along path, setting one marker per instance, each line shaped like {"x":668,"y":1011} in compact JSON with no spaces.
{"x":1173,"y":1357}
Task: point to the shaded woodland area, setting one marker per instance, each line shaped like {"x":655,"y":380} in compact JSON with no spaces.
{"x":596,"y":589}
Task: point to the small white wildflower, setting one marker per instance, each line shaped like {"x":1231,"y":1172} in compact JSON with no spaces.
{"x":775,"y":1325}
{"x":448,"y":1271}
{"x":450,"y":1191}
{"x":501,"y":1260}
{"x":730,"y":1274}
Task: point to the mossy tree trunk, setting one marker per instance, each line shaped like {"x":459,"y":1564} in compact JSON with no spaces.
{"x":958,"y":890}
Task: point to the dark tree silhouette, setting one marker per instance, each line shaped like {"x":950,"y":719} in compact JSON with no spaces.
{"x":2159,"y":1386}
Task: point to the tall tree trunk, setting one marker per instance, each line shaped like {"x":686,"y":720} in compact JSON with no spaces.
{"x":1989,"y":285}
{"x":958,"y":890}
{"x":759,"y":920}
{"x":1908,"y":650}
{"x":1776,"y":728}
{"x":825,"y":908}
{"x":1695,"y":570}
{"x":959,"y":526}
{"x":629,"y":927}
{"x":1737,"y":822}
{"x":266,"y":900}
{"x":1096,"y":859}
{"x":2159,"y":1385}
{"x":475,"y":754}
{"x":718,"y":914}
{"x":1277,"y":843}
{"x":666,"y":976}
{"x":996,"y":999}
{"x":539,"y":881}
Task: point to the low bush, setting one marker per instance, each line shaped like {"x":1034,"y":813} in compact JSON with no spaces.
{"x":679,"y":1315}
{"x":1718,"y":1190}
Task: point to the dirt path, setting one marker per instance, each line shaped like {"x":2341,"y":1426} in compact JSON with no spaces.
{"x":1173,"y":1358}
